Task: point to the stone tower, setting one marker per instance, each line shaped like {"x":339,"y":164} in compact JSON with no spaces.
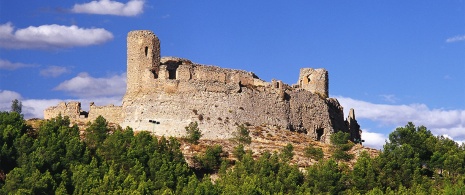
{"x":143,"y":59}
{"x":314,"y":80}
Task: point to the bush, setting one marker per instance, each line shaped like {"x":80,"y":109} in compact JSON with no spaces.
{"x":211,"y":160}
{"x":239,"y":151}
{"x":242,"y":135}
{"x":287,"y":153}
{"x":314,"y":153}
{"x":341,"y":144}
{"x":193,"y":133}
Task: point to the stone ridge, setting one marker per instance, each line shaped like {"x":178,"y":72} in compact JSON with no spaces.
{"x":176,"y":91}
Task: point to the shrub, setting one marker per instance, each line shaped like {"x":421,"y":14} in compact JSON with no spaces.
{"x":312,"y":152}
{"x":211,"y":159}
{"x":287,"y":152}
{"x":341,"y":144}
{"x":193,"y":133}
{"x":242,"y":135}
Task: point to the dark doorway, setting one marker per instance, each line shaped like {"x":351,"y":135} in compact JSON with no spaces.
{"x":172,"y":67}
{"x":172,"y":74}
{"x":319,"y":133}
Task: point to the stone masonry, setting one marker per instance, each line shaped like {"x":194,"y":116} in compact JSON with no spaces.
{"x":176,"y":91}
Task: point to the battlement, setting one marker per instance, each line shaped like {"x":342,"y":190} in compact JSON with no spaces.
{"x":147,"y":71}
{"x":177,"y":91}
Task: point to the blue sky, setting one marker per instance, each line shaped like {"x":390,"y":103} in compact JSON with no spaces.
{"x":393,"y":61}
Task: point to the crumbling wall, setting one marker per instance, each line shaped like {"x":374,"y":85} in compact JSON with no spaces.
{"x":143,"y":60}
{"x":220,"y":99}
{"x":70,"y":109}
{"x":175,"y":92}
{"x":218,"y":113}
{"x":314,"y":80}
{"x":111,"y":113}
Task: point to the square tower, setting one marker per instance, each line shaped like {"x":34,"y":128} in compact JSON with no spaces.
{"x":314,"y":80}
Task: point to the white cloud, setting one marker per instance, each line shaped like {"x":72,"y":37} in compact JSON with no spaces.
{"x":54,"y":71}
{"x":108,"y":7}
{"x":6,"y":97}
{"x":84,"y":85}
{"x":456,"y":39}
{"x":373,"y":140}
{"x":439,"y":121}
{"x":51,"y":36}
{"x":5,"y":64}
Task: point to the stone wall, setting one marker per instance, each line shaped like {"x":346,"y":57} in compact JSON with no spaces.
{"x":111,"y":113}
{"x":70,"y":109}
{"x":73,"y":110}
{"x":314,"y":80}
{"x":143,"y":59}
{"x":176,"y":91}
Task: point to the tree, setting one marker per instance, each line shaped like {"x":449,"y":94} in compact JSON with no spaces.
{"x":339,"y":138}
{"x":211,"y":160}
{"x":96,"y":133}
{"x":242,"y":135}
{"x":363,"y":176}
{"x":16,"y":106}
{"x":341,"y":144}
{"x":287,"y":152}
{"x":239,"y":151}
{"x":193,"y":133}
{"x":315,"y":153}
{"x":324,"y":177}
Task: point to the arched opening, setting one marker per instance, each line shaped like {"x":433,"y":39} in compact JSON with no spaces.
{"x":319,"y":134}
{"x":146,"y":51}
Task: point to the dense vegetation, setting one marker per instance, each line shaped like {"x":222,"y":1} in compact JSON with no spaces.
{"x":55,"y":159}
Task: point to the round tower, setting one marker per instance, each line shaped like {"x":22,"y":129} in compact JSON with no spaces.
{"x":143,"y":60}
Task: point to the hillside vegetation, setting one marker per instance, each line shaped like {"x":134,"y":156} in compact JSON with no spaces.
{"x":56,"y":158}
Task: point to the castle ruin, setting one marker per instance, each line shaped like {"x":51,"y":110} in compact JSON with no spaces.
{"x":176,"y":91}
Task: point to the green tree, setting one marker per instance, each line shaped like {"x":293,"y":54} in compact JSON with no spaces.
{"x":193,"y":133}
{"x":287,"y":153}
{"x":239,"y":151}
{"x":341,"y":144}
{"x":13,"y":131}
{"x":324,"y":177}
{"x":96,"y":133}
{"x":339,"y":138}
{"x":211,"y":159}
{"x":363,"y":176}
{"x":16,"y":106}
{"x":315,"y":153}
{"x":242,"y":135}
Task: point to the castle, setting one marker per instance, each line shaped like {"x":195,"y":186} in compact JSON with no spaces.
{"x":176,"y":91}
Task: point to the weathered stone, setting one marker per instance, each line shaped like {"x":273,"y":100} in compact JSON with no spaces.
{"x":175,"y":92}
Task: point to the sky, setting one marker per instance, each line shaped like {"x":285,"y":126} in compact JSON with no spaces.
{"x":392,"y":61}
